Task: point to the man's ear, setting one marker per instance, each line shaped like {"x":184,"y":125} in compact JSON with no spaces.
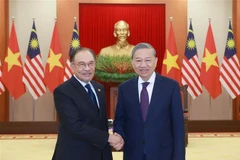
{"x":114,"y":33}
{"x":71,"y":66}
{"x":156,"y":60}
{"x":128,"y":33}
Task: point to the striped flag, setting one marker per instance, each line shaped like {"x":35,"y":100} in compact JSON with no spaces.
{"x":2,"y":89}
{"x":75,"y":44}
{"x":230,"y":69}
{"x":33,"y":72}
{"x":191,"y":67}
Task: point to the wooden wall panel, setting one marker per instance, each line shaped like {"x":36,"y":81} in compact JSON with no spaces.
{"x":236,"y":31}
{"x":4,"y":101}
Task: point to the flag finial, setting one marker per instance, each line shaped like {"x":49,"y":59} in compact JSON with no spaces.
{"x":230,"y":19}
{"x":75,"y":19}
{"x":209,"y":19}
{"x":13,"y":18}
{"x":171,"y":18}
{"x":34,"y":18}
{"x":55,"y":19}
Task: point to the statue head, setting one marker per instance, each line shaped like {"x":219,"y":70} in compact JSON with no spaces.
{"x":121,"y":31}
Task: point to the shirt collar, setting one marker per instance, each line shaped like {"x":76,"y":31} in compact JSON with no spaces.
{"x":151,"y":79}
{"x":82,"y":83}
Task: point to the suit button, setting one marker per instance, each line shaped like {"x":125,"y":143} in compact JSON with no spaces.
{"x":143,"y":142}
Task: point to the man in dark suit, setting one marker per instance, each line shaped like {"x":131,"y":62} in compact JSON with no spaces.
{"x":149,"y":115}
{"x":81,"y":107}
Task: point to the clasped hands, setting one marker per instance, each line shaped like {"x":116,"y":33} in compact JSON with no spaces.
{"x":116,"y":141}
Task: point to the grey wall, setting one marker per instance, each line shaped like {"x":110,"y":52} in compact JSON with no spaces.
{"x":205,"y":108}
{"x":44,"y":11}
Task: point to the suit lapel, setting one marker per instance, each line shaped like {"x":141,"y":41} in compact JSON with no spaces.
{"x":135,"y":97}
{"x":156,"y":96}
{"x":99,"y":95}
{"x":82,"y":92}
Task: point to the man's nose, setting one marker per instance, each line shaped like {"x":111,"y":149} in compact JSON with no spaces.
{"x":144,"y":63}
{"x":87,"y":67}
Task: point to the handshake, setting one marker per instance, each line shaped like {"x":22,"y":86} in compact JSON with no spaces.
{"x":116,"y":141}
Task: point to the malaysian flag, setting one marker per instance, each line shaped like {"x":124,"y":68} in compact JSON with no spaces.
{"x":75,"y":44}
{"x":230,"y":69}
{"x":2,"y":89}
{"x":191,"y":67}
{"x":33,"y":72}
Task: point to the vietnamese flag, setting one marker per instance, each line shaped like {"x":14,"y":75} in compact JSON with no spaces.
{"x":171,"y":64}
{"x":54,"y":71}
{"x":210,"y":72}
{"x":12,"y":67}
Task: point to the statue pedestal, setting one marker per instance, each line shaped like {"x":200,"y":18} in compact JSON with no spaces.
{"x":113,"y":101}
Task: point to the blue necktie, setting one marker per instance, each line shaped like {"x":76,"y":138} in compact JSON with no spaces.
{"x":91,"y":94}
{"x":144,"y":100}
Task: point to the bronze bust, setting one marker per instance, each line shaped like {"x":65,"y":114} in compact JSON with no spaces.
{"x":122,"y":47}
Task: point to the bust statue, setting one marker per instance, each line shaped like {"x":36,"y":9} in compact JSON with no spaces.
{"x":122,"y":47}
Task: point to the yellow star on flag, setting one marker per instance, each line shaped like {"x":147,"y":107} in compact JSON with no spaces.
{"x":171,"y":61}
{"x":12,"y":59}
{"x":209,"y":59}
{"x":53,"y":60}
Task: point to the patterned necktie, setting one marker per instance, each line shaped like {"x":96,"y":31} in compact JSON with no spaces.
{"x":91,"y":94}
{"x":144,"y":100}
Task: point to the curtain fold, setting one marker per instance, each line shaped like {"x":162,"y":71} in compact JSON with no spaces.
{"x":146,"y":21}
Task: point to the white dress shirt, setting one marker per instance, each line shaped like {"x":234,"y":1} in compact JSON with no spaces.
{"x":84,"y":84}
{"x":149,"y":87}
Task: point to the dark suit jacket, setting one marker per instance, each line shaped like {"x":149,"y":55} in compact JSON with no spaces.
{"x":161,"y":136}
{"x":83,"y":131}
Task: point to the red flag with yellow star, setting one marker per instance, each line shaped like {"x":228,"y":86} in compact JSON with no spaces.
{"x":210,"y":72}
{"x":171,"y":64}
{"x":54,"y":71}
{"x":12,"y":67}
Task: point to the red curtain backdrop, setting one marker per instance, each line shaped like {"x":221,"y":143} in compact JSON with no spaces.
{"x":146,"y":21}
{"x":147,"y":24}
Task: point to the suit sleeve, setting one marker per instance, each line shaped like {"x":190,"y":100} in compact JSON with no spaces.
{"x":70,"y":120}
{"x":119,"y":118}
{"x":177,"y":125}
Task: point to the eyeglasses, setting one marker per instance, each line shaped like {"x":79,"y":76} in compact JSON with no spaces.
{"x":82,"y":65}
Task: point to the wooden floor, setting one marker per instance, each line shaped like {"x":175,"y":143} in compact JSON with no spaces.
{"x":202,"y":146}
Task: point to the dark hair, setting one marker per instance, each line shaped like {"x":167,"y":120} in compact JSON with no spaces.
{"x":142,"y":46}
{"x":74,"y":52}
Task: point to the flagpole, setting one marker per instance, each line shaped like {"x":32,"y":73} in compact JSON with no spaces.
{"x":12,"y":108}
{"x":54,"y":111}
{"x":33,"y":100}
{"x":189,"y":99}
{"x":210,"y":98}
{"x":12,"y":99}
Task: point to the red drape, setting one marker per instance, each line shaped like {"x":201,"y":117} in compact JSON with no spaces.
{"x":146,"y":21}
